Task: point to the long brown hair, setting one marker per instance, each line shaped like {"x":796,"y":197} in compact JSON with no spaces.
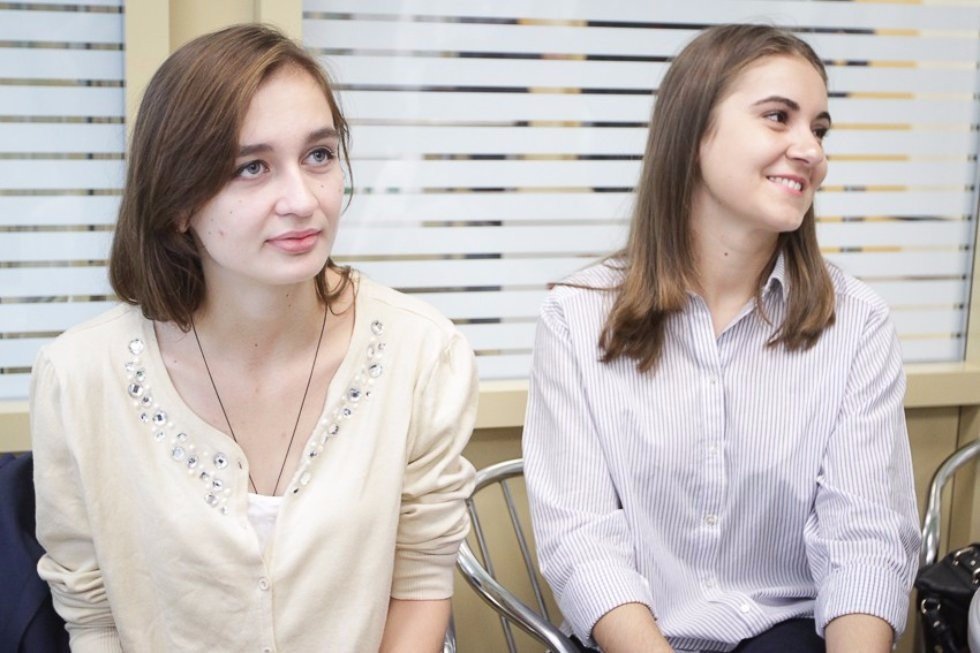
{"x":659,"y":255}
{"x":183,"y":153}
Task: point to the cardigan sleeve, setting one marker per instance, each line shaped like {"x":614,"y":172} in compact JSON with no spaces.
{"x":70,"y":565}
{"x":433,"y":519}
{"x":863,"y":542}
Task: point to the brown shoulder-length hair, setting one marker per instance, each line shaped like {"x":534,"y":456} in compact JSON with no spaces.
{"x":183,"y":153}
{"x":659,"y":255}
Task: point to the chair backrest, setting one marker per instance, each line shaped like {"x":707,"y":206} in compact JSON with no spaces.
{"x":482,"y":577}
{"x":931,"y":524}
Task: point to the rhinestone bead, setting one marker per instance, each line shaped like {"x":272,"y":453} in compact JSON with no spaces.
{"x":304,"y":479}
{"x":159,"y":435}
{"x":130,"y":367}
{"x":160,"y":418}
{"x":146,"y":401}
{"x":136,"y":346}
{"x":181,"y":437}
{"x":375,"y":370}
{"x":220,"y":460}
{"x":135,"y":390}
{"x":140,"y":375}
{"x":334,"y":429}
{"x":381,"y":348}
{"x":217,"y":484}
{"x":145,"y":418}
{"x":192,"y":462}
{"x":177,"y":453}
{"x":211,"y":499}
{"x":377,"y":328}
{"x":205,"y":477}
{"x":354,"y":394}
{"x":347,"y":411}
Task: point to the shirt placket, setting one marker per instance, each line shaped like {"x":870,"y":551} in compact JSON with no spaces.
{"x":711,"y":454}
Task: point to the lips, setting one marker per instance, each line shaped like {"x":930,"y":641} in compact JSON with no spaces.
{"x":296,"y":242}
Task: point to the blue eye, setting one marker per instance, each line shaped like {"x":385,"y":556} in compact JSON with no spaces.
{"x":250,"y":169}
{"x":321,"y":155}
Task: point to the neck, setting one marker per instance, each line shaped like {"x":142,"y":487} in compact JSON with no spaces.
{"x":729,"y":262}
{"x":258,"y":326}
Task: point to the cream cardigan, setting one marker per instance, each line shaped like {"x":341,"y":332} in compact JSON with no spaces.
{"x":142,"y":506}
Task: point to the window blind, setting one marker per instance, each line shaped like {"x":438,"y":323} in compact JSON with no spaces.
{"x":496,"y":146}
{"x":61,"y":170}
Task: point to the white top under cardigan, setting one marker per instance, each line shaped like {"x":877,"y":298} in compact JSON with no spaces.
{"x":142,"y":506}
{"x":735,"y":486}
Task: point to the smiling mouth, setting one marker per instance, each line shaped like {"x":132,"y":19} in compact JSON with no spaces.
{"x":788,"y":183}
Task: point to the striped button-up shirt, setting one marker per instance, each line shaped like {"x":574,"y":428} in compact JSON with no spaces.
{"x":735,"y":485}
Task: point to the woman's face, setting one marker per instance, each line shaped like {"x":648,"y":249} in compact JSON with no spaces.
{"x":762,"y":158}
{"x":274,"y":222}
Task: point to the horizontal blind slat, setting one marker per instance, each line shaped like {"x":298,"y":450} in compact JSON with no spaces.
{"x":62,"y":138}
{"x":61,"y":174}
{"x":59,"y":210}
{"x":782,"y":12}
{"x":71,"y":101}
{"x":427,"y":71}
{"x":627,"y":42}
{"x":55,"y":246}
{"x":37,"y":63}
{"x":395,"y":141}
{"x":83,"y":27}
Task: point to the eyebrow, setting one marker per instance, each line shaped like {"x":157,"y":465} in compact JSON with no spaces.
{"x":326,"y":133}
{"x":791,"y":104}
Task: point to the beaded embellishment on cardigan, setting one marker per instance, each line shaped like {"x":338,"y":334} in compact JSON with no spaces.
{"x":361,"y":389}
{"x":204,"y":464}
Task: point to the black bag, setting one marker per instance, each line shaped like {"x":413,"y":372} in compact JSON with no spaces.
{"x":945,"y":591}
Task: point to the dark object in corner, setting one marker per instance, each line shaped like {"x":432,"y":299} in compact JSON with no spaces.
{"x":28,"y":622}
{"x":945,"y":591}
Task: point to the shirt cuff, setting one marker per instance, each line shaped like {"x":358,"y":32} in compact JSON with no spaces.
{"x":595,"y":589}
{"x":872,"y":591}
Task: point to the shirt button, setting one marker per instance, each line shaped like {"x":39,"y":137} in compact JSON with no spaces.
{"x":745,"y":607}
{"x":710,"y":520}
{"x":264,"y":584}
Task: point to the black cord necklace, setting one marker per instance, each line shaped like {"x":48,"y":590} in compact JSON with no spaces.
{"x":302,"y":403}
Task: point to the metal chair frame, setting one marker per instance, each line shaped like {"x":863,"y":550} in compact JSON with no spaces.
{"x":932,"y":523}
{"x":483,"y":579}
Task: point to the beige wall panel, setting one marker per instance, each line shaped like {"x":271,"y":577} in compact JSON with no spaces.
{"x":965,"y":516}
{"x":191,"y":18}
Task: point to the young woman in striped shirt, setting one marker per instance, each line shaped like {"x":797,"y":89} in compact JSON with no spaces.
{"x":716,"y":451}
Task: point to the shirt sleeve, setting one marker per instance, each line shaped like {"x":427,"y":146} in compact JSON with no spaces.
{"x":583,"y":540}
{"x":863,"y":536}
{"x":438,"y":480}
{"x":69,"y":565}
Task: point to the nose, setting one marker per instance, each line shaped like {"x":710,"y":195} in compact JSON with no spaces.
{"x":295,"y":194}
{"x":807,"y":148}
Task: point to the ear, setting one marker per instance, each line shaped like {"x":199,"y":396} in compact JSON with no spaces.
{"x":183,"y":222}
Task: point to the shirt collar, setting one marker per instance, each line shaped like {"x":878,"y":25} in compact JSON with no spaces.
{"x":777,"y":278}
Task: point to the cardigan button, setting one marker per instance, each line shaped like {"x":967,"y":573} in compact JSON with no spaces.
{"x":264,"y":584}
